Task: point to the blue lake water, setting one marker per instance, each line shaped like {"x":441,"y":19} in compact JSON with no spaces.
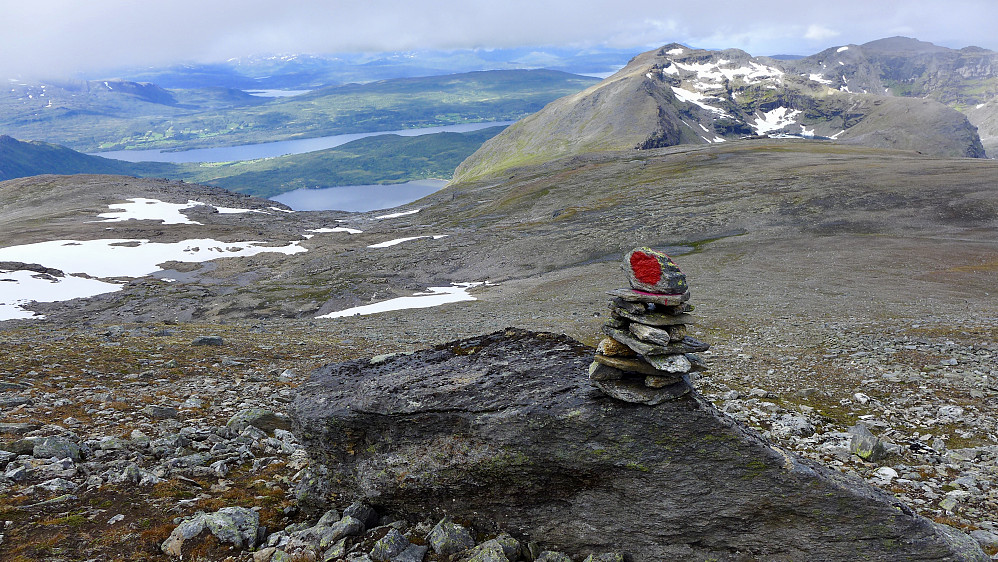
{"x":279,"y":148}
{"x":358,"y":198}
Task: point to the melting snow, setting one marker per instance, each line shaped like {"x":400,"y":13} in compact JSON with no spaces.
{"x":401,"y":240}
{"x":697,"y":98}
{"x":142,"y":208}
{"x":840,"y":49}
{"x":132,"y":258}
{"x":819,"y":78}
{"x":676,"y":51}
{"x":401,"y":214}
{"x":836,"y":135}
{"x":775,"y":120}
{"x":21,"y":287}
{"x":436,"y":296}
{"x":280,"y":210}
{"x":714,"y":72}
{"x":337,"y":229}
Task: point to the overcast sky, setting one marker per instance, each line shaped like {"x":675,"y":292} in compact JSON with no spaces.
{"x":50,"y":38}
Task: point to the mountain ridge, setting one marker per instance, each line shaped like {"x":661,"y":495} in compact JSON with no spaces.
{"x":677,"y":95}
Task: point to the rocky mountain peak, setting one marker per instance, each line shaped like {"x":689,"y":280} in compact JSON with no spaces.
{"x":677,"y":95}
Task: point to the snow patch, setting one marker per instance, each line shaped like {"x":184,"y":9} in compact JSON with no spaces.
{"x":337,"y":229}
{"x":697,"y":99}
{"x":132,"y":258}
{"x":401,"y":240}
{"x":676,"y":51}
{"x":20,"y":287}
{"x":395,"y":215}
{"x":819,"y":78}
{"x":435,"y":296}
{"x":775,"y":120}
{"x":841,"y":49}
{"x":141,"y":208}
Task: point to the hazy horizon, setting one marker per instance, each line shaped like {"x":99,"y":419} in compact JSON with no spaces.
{"x":63,"y":38}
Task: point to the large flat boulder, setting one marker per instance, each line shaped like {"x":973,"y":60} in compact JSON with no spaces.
{"x":506,"y":431}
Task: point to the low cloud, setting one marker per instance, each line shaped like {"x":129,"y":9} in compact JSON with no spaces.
{"x":820,"y":33}
{"x":66,"y":36}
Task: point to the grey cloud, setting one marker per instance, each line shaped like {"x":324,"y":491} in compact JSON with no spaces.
{"x":63,"y":36}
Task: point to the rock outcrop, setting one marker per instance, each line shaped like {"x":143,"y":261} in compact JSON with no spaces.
{"x":505,"y":430}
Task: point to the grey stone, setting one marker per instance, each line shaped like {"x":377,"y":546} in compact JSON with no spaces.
{"x":346,"y":527}
{"x":363,"y":513}
{"x":670,"y":363}
{"x":58,"y":447}
{"x":260,"y":418}
{"x":389,"y":546}
{"x":208,"y":340}
{"x":328,"y":518}
{"x":235,"y":525}
{"x":552,"y":556}
{"x":500,"y":549}
{"x":865,"y":444}
{"x":986,"y":539}
{"x":6,"y":457}
{"x":654,"y":318}
{"x":605,"y":557}
{"x":687,"y":345}
{"x":629,"y":364}
{"x":601,"y":372}
{"x":160,"y":412}
{"x":413,"y":553}
{"x":638,"y":393}
{"x":57,"y":485}
{"x":631,"y":295}
{"x":18,"y":428}
{"x":514,"y":434}
{"x":447,"y":537}
{"x":670,"y":334}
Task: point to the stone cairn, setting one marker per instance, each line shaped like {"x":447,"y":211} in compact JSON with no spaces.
{"x":647,"y":355}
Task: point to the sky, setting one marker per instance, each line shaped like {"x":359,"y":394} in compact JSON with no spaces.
{"x":60,"y":38}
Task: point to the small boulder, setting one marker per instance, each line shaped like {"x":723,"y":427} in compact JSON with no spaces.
{"x":389,"y":546}
{"x":235,"y":525}
{"x":865,"y":444}
{"x":208,"y":340}
{"x":363,"y":513}
{"x":447,"y":538}
{"x":259,"y":418}
{"x":58,"y":447}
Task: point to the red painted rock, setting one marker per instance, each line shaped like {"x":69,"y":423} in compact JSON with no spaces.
{"x":654,"y":272}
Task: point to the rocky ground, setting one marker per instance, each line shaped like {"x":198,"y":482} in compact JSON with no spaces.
{"x":116,"y":433}
{"x":836,"y":287}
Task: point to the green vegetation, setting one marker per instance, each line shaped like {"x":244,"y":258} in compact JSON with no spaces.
{"x":371,"y":160}
{"x":124,"y":115}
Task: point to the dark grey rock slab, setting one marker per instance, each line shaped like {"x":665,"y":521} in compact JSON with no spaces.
{"x":641,"y":296}
{"x":506,"y":430}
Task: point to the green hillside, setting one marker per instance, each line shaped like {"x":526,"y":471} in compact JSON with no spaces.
{"x":371,"y":160}
{"x":124,"y":115}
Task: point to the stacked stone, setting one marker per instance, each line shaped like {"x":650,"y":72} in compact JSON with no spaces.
{"x":647,"y":355}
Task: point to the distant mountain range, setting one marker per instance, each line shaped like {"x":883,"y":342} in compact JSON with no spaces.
{"x":893,"y":93}
{"x":302,"y":71}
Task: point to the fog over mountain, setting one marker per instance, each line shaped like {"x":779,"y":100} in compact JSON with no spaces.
{"x":63,"y":37}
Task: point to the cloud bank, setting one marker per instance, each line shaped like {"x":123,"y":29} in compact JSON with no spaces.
{"x":63,"y":37}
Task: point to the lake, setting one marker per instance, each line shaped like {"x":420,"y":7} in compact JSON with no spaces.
{"x":358,"y":198}
{"x":279,"y":148}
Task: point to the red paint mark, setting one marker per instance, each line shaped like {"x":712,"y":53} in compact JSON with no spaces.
{"x":646,"y":268}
